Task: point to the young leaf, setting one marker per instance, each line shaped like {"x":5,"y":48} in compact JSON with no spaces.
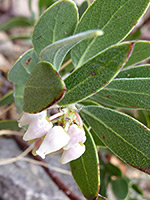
{"x":120,"y":188}
{"x":96,"y":73}
{"x":43,"y":89}
{"x":22,"y":68}
{"x":56,"y":52}
{"x":18,"y":96}
{"x":57,"y":22}
{"x":125,"y":136}
{"x":7,"y":99}
{"x":128,"y":93}
{"x":85,"y":169}
{"x":115,"y":18}
{"x":141,"y":51}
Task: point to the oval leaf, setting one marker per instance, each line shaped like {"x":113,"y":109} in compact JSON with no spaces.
{"x":56,"y":52}
{"x":43,"y":89}
{"x":23,"y":67}
{"x":96,"y":73}
{"x":120,"y":188}
{"x":85,"y":169}
{"x":57,"y":22}
{"x":125,"y":136}
{"x":115,"y":18}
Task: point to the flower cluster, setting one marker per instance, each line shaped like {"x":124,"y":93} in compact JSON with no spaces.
{"x":60,"y":133}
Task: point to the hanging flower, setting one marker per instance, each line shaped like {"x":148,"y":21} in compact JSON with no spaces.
{"x":67,"y":139}
{"x":27,"y":118}
{"x":73,"y":153}
{"x":55,"y":139}
{"x":75,"y":147}
{"x":38,"y":125}
{"x":37,"y":128}
{"x":76,"y":135}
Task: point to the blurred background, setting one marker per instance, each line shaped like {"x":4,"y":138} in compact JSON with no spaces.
{"x":23,"y":178}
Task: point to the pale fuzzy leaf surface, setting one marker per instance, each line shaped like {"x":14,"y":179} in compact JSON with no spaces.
{"x":57,"y":22}
{"x":85,"y":169}
{"x":129,"y":93}
{"x":96,"y":73}
{"x":43,"y":89}
{"x":116,"y":18}
{"x":141,"y":51}
{"x":18,"y":97}
{"x":56,"y":52}
{"x":22,"y":68}
{"x":126,"y":137}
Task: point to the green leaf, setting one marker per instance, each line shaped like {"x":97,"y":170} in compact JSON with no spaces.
{"x":45,"y":3}
{"x":18,"y":96}
{"x":120,"y":188}
{"x":122,"y":134}
{"x":7,"y":99}
{"x":16,"y":22}
{"x":112,"y":169}
{"x":56,"y":52}
{"x":115,"y":18}
{"x":9,"y":124}
{"x":22,"y":68}
{"x":136,"y":188}
{"x":43,"y":89}
{"x":96,"y":73}
{"x":105,"y":179}
{"x":140,"y":71}
{"x":85,"y":169}
{"x":141,"y":51}
{"x":83,"y":7}
{"x":57,"y":22}
{"x":128,"y":93}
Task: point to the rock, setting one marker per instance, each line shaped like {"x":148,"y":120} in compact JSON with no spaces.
{"x":25,"y":181}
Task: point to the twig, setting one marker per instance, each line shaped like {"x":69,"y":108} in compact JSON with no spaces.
{"x":50,"y":173}
{"x":11,"y":160}
{"x":10,"y":132}
{"x":57,"y":169}
{"x":66,"y":63}
{"x":7,"y":109}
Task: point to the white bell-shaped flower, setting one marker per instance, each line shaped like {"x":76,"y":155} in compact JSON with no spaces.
{"x":27,"y":118}
{"x":37,"y":128}
{"x":76,"y":135}
{"x":55,"y":139}
{"x":73,"y":153}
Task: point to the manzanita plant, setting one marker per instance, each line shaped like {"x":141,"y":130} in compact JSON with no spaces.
{"x":74,"y":80}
